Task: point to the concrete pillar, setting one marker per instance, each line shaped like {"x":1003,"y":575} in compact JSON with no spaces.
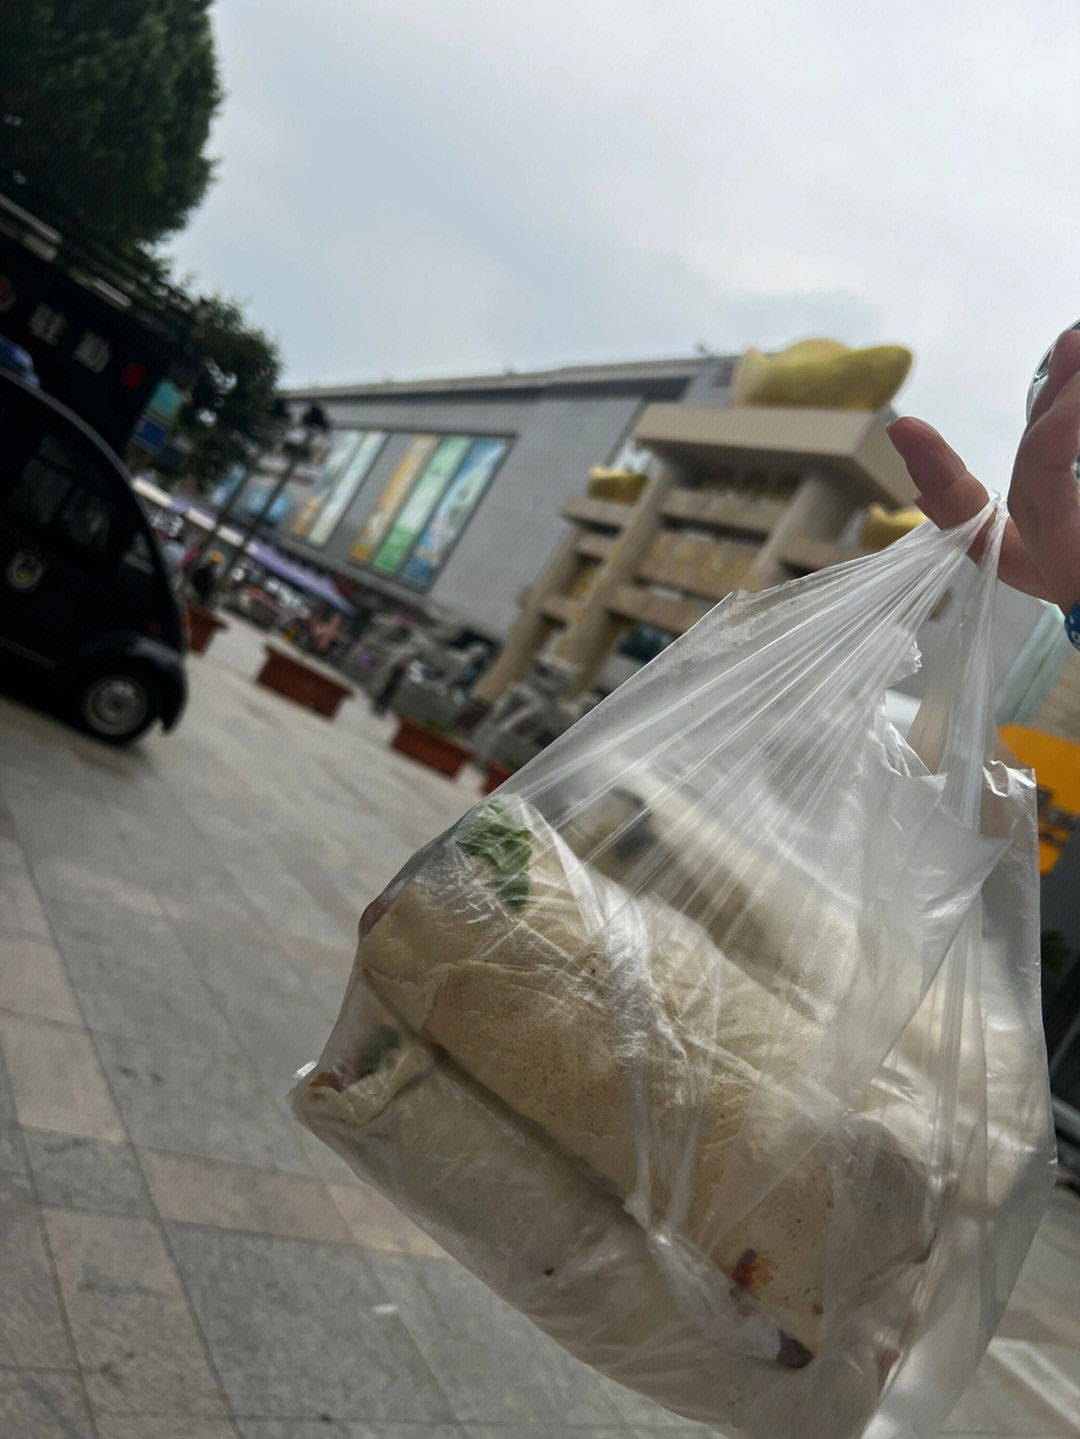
{"x":588,"y":641}
{"x":531,"y":629}
{"x":818,"y":510}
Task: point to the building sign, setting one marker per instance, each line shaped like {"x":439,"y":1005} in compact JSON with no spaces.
{"x":389,"y":502}
{"x":453,"y":511}
{"x":149,"y":435}
{"x":165,"y":403}
{"x":342,"y":448}
{"x":103,"y":359}
{"x":156,"y":422}
{"x":417,"y":509}
{"x":352,"y":476}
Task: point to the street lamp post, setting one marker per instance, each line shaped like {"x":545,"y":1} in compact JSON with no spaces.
{"x":313,"y":421}
{"x":277,"y":422}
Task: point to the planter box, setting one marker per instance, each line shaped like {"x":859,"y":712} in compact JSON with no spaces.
{"x":203,"y":625}
{"x":427,"y":747}
{"x":303,"y":681}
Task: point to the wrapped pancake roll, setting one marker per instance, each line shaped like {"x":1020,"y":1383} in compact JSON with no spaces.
{"x":618,"y":1028}
{"x":736,"y":1081}
{"x":832,"y":941}
{"x":503,"y":1200}
{"x":650,"y":839}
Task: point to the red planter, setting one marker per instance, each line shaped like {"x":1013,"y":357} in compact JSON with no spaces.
{"x":303,"y":682}
{"x":427,"y":747}
{"x":203,"y":625}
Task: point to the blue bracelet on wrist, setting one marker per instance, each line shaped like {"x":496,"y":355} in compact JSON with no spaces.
{"x":1072,"y":625}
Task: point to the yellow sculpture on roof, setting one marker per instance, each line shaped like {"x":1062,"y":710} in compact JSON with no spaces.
{"x":624,"y":487}
{"x":822,"y":374}
{"x":881,"y":526}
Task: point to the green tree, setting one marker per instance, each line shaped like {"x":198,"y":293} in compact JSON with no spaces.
{"x":105,"y":109}
{"x":234,"y":397}
{"x":105,"y":114}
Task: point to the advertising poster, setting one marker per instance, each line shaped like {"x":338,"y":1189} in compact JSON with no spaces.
{"x":386,"y":506}
{"x":349,"y":481}
{"x":166,"y":403}
{"x":223,"y":492}
{"x":257,"y":496}
{"x":417,"y":509}
{"x":342,"y":447}
{"x":422,"y":501}
{"x":453,"y":512}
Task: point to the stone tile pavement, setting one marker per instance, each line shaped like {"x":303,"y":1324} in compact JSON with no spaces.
{"x":179,"y":1259}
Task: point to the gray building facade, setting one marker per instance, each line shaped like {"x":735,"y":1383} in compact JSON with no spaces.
{"x":554,"y":427}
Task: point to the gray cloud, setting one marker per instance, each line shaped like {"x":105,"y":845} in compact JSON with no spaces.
{"x":418,"y":188}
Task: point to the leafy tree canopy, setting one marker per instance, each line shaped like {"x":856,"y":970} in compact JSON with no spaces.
{"x":105,"y":108}
{"x":105,"y":114}
{"x":232,"y":401}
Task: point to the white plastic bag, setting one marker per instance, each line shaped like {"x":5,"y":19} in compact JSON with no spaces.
{"x":712,"y":1042}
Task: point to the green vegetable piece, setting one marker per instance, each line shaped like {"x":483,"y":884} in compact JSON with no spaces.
{"x":380,"y":1046}
{"x":492,"y":834}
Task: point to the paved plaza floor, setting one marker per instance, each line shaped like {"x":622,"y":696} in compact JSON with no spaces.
{"x":179,"y":1259}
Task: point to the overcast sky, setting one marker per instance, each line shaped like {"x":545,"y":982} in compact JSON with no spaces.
{"x":440,"y":187}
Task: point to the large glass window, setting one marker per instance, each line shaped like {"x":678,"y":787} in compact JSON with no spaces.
{"x":62,"y":493}
{"x":86,"y":519}
{"x":43,"y":486}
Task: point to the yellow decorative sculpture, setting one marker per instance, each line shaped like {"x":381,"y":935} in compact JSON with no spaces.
{"x":622,"y":486}
{"x":881,"y":527}
{"x":823,"y":374}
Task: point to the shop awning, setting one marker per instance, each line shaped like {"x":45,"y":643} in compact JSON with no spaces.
{"x":298,"y":575}
{"x":293,"y":573}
